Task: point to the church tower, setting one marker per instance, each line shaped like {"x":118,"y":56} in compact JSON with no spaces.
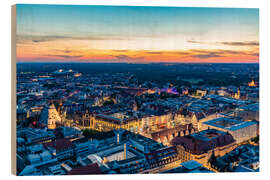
{"x":238,"y":94}
{"x":50,"y":117}
{"x":251,"y":84}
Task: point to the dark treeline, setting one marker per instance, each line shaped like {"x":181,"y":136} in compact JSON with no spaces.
{"x":160,"y":73}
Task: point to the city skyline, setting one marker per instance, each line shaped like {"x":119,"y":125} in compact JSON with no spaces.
{"x":62,"y":33}
{"x":135,"y":90}
{"x":121,"y":118}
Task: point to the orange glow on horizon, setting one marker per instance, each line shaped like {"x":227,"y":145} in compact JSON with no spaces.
{"x":188,"y":56}
{"x":83,"y":51}
{"x":137,"y":35}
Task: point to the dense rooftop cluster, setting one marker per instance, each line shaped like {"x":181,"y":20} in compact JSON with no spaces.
{"x":88,"y":121}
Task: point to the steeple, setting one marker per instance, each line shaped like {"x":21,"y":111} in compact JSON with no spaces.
{"x":50,"y":116}
{"x":238,"y":94}
{"x":252,"y":83}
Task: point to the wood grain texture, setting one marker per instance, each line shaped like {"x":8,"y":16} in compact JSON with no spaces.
{"x":13,"y":89}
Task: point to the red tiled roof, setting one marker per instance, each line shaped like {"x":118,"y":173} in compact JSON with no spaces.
{"x":60,"y":144}
{"x":175,"y":130}
{"x":84,"y":170}
{"x":197,"y":146}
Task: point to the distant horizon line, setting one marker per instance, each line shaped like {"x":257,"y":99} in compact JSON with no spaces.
{"x":50,"y":62}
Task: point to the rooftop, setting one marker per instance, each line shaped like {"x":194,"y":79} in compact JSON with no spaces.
{"x":229,"y":124}
{"x":108,"y":117}
{"x":84,"y":170}
{"x":207,"y":135}
{"x":189,"y":167}
{"x":60,"y":144}
{"x":202,"y":142}
{"x":251,"y":107}
{"x":191,"y":164}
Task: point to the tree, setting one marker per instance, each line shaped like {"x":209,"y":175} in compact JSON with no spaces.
{"x":89,"y":133}
{"x":256,"y":139}
{"x":212,"y":158}
{"x":108,"y":103}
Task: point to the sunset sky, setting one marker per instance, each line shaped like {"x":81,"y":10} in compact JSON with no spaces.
{"x":54,"y":33}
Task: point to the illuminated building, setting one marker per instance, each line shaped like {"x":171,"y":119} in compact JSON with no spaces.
{"x":132,"y":153}
{"x":249,"y":112}
{"x":237,"y":95}
{"x":200,"y":146}
{"x":151,"y":91}
{"x":251,"y":84}
{"x":77,"y":74}
{"x":240,"y":130}
{"x":102,"y":122}
{"x":165,"y":136}
{"x":189,"y":167}
{"x":50,"y":117}
{"x":201,"y":92}
{"x":172,"y":91}
{"x":244,"y":158}
{"x":222,"y":92}
{"x":134,"y":106}
{"x":185,"y":92}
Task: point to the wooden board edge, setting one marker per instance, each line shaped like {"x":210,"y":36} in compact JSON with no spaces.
{"x":13,"y":90}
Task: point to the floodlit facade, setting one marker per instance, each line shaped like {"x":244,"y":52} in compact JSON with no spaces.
{"x":104,"y":123}
{"x":50,"y":117}
{"x":240,"y":130}
{"x":200,"y":146}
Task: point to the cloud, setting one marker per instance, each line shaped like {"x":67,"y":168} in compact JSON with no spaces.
{"x":120,"y":50}
{"x":244,"y":43}
{"x":26,"y":39}
{"x":197,"y":42}
{"x":153,"y":52}
{"x":207,"y":55}
{"x":64,"y":56}
{"x":128,"y":58}
{"x":255,"y":54}
{"x":67,"y":51}
{"x":202,"y":51}
{"x":233,"y":43}
{"x":250,"y":53}
{"x":64,"y":51}
{"x":36,"y":41}
{"x":232,"y":52}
